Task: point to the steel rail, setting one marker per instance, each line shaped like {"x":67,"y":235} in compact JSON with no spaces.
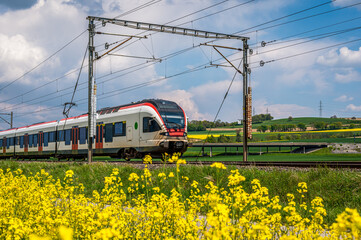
{"x":295,"y":164}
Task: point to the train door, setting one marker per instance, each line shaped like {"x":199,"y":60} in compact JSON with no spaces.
{"x":40,"y":141}
{"x":74,"y":138}
{"x":99,"y":136}
{"x":26,"y":143}
{"x":4,"y":145}
{"x":129,"y":133}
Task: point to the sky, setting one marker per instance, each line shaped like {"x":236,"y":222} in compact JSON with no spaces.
{"x":311,"y":52}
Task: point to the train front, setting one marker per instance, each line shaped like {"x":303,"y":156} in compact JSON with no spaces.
{"x":174,"y":133}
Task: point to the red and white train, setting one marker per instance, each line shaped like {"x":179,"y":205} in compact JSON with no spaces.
{"x":151,"y":126}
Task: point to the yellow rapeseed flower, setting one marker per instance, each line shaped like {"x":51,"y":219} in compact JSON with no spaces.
{"x":218,"y":165}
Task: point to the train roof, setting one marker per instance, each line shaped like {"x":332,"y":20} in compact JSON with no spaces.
{"x":160,"y":104}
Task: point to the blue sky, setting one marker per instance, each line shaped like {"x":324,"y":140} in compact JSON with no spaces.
{"x":311,"y":56}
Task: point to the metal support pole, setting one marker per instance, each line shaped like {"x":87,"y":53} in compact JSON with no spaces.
{"x":11,"y":119}
{"x":245,"y":91}
{"x":91,"y":91}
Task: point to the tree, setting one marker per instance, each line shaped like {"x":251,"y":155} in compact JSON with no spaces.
{"x":302,"y":126}
{"x":352,"y":125}
{"x":261,"y":118}
{"x":319,"y":125}
{"x":290,"y":118}
{"x":224,"y":139}
{"x":338,"y":125}
{"x":211,"y":139}
{"x":262,"y":128}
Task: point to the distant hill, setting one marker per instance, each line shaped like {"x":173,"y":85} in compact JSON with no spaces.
{"x":308,"y":121}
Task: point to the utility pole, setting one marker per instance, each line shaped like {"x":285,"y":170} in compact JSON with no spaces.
{"x":245,"y":101}
{"x":320,"y":108}
{"x":91,"y":92}
{"x":11,"y":118}
{"x":171,"y":30}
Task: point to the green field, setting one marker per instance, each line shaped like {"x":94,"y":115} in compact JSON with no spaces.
{"x":308,"y":121}
{"x":282,"y":157}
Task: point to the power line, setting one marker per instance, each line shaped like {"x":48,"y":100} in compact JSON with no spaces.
{"x":67,"y":44}
{"x":299,"y":19}
{"x":324,"y":35}
{"x":291,"y":14}
{"x":272,"y":42}
{"x":128,"y":12}
{"x":307,"y":52}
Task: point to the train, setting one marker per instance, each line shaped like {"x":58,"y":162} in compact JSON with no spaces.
{"x":148,"y":127}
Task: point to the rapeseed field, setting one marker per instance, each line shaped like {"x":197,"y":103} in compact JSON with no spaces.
{"x":41,"y":207}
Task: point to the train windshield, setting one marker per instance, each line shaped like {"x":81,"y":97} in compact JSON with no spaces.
{"x":174,"y":121}
{"x":172,"y":114}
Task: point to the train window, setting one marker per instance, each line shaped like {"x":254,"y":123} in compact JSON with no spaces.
{"x":30,"y":140}
{"x":82,"y":135}
{"x":150,"y":125}
{"x":7,"y":142}
{"x":1,"y":143}
{"x":35,"y":142}
{"x":46,"y":139}
{"x":51,"y":136}
{"x":67,"y":136}
{"x":12,"y":141}
{"x":119,"y":128}
{"x":109,"y":132}
{"x":61,"y":135}
{"x":21,"y":142}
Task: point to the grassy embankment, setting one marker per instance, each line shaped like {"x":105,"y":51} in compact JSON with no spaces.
{"x":338,"y":188}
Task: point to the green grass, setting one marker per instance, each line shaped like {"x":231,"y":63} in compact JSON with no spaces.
{"x":284,"y":157}
{"x":338,"y":188}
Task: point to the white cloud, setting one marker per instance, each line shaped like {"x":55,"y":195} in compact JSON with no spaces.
{"x":345,"y":57}
{"x":343,"y":3}
{"x":216,"y":89}
{"x":350,"y":76}
{"x":16,"y":55}
{"x":353,"y":108}
{"x":185,"y":100}
{"x":343,"y":98}
{"x":282,"y":110}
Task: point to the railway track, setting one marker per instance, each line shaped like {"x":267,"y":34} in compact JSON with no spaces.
{"x":298,"y":164}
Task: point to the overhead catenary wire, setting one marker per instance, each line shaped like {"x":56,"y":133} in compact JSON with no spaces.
{"x":308,"y":52}
{"x":273,"y":42}
{"x":123,"y":14}
{"x":220,"y":107}
{"x":299,"y":19}
{"x":131,"y":88}
{"x":127,"y":89}
{"x":169,"y":55}
{"x":243,"y":3}
{"x":312,"y":30}
{"x":66,"y":111}
{"x":71,"y":41}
